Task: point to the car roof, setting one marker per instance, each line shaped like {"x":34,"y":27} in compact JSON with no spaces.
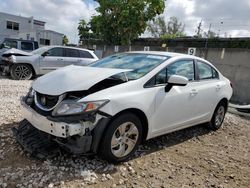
{"x":169,"y":54}
{"x":53,"y":46}
{"x":22,"y":40}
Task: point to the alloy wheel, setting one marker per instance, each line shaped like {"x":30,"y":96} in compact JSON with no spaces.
{"x":124,"y":139}
{"x":22,"y":72}
{"x":219,"y":116}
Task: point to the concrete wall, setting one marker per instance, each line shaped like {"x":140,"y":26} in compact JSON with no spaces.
{"x":233,"y":63}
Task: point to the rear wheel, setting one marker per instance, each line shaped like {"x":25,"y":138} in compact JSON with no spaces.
{"x":121,"y":138}
{"x":21,"y":72}
{"x":218,"y":116}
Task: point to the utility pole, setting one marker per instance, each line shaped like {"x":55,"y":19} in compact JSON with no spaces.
{"x":209,"y":29}
{"x":199,"y":29}
{"x":208,"y":32}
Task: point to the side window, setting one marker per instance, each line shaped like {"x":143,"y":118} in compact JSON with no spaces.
{"x":71,"y":52}
{"x":36,"y":45}
{"x":182,"y":68}
{"x":11,"y":43}
{"x":205,"y":71}
{"x":56,"y":52}
{"x":27,"y":46}
{"x":85,"y":54}
{"x":161,"y":78}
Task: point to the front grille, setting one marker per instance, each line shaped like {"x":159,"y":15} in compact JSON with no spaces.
{"x":46,"y":102}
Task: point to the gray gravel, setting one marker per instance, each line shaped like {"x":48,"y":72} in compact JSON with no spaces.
{"x":193,"y":157}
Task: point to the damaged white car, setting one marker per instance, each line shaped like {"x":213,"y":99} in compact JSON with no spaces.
{"x":23,"y":65}
{"x":120,"y":101}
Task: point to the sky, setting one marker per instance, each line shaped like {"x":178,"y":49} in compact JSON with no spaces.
{"x":228,"y":18}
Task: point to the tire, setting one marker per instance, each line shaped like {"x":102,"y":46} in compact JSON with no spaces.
{"x":218,"y":116}
{"x":21,"y":72}
{"x":125,"y":132}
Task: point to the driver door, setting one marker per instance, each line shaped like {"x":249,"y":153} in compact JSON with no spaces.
{"x":174,"y":109}
{"x":52,"y":60}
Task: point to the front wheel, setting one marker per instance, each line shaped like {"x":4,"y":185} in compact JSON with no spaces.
{"x":122,"y":138}
{"x":21,"y":72}
{"x":218,"y":116}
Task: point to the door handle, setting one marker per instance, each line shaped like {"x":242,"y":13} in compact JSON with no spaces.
{"x":59,"y":59}
{"x":193,"y":92}
{"x":218,"y":87}
{"x":79,"y":60}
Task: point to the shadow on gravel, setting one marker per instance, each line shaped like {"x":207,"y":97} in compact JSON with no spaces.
{"x":172,"y":139}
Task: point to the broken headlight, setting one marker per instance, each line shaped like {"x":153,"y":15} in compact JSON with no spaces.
{"x":30,"y":96}
{"x":31,"y":92}
{"x":69,"y":107}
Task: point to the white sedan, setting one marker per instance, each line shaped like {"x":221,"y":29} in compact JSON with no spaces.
{"x":120,"y":101}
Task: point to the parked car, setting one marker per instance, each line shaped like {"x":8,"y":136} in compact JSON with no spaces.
{"x":25,"y":45}
{"x":116,"y":103}
{"x":10,"y":43}
{"x":22,"y":65}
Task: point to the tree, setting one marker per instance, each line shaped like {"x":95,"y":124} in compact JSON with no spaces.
{"x":65,"y":40}
{"x":121,"y":21}
{"x":172,"y":29}
{"x":157,"y":27}
{"x":83,"y":29}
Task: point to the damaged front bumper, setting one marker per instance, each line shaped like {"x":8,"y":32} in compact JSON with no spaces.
{"x":38,"y":132}
{"x":58,"y":129}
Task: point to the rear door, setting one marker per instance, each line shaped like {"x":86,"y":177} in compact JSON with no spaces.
{"x":71,"y":56}
{"x":86,"y":58}
{"x":208,"y":90}
{"x":53,"y":60}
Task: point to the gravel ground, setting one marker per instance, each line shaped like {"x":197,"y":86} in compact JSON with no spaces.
{"x":193,"y":157}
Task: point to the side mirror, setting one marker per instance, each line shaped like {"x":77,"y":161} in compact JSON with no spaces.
{"x":45,"y":54}
{"x":175,"y":80}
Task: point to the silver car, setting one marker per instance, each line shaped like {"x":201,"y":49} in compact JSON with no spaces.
{"x":23,"y":65}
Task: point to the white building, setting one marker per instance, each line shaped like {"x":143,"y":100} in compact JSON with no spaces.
{"x":27,"y":28}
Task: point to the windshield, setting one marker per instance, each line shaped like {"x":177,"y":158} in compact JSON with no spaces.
{"x":140,"y":64}
{"x":40,"y":50}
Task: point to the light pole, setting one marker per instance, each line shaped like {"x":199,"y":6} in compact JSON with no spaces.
{"x":206,"y":43}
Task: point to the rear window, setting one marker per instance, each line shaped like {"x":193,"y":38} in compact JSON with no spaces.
{"x":205,"y":71}
{"x":71,"y":53}
{"x":85,"y":54}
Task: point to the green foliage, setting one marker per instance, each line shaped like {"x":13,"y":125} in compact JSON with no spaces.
{"x":84,"y":30}
{"x":121,"y":21}
{"x":65,"y":40}
{"x":173,"y":36}
{"x":172,"y":29}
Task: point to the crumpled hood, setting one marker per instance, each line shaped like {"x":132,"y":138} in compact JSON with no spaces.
{"x":16,"y":52}
{"x":72,"y":78}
